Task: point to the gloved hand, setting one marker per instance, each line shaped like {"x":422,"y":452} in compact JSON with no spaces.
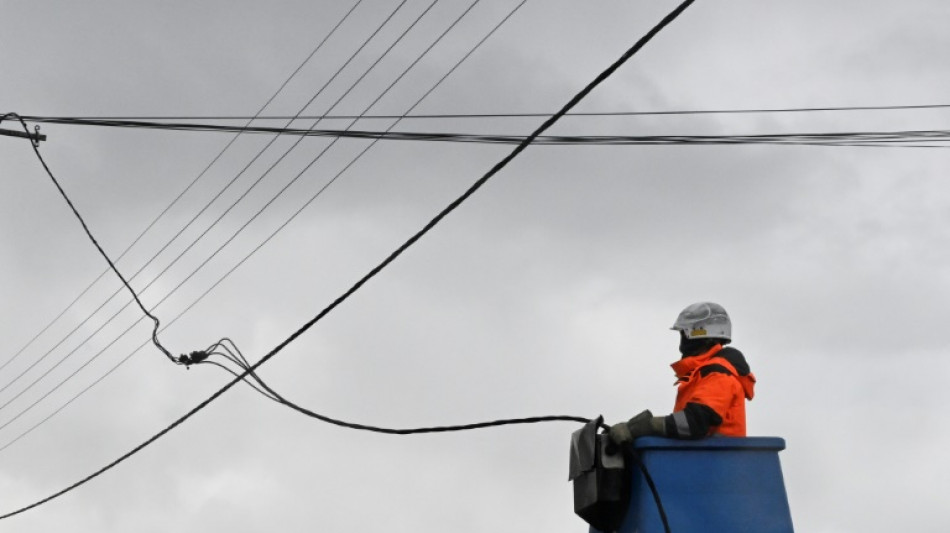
{"x":642,"y":424}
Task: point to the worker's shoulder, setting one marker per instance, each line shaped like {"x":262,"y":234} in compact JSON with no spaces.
{"x":733,"y":356}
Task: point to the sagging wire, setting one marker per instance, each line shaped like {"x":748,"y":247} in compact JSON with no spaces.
{"x":194,"y":181}
{"x":177,"y":360}
{"x":85,"y":227}
{"x":228,"y":350}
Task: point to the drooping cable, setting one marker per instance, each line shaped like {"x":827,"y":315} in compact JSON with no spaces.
{"x":432,"y":88}
{"x":205,"y":232}
{"x":392,"y":257}
{"x":201,"y":174}
{"x":273,"y":165}
{"x":226,"y":349}
{"x":102,"y":252}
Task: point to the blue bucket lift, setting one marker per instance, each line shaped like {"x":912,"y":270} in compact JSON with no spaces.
{"x":711,"y":485}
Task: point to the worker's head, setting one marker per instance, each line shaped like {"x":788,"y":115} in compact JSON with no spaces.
{"x":701,"y":326}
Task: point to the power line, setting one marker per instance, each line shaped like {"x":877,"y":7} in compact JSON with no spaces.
{"x":853,"y":138}
{"x":392,"y":257}
{"x":847,"y":138}
{"x":104,"y":120}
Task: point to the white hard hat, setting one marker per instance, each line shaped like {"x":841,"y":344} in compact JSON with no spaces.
{"x":704,"y":320}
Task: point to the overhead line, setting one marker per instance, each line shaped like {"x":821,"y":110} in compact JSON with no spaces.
{"x":847,"y":138}
{"x":392,"y":257}
{"x":92,"y":120}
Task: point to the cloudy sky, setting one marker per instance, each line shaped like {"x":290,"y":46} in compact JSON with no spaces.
{"x":548,"y":293}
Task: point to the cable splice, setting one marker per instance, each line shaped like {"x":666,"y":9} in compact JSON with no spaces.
{"x":193,"y":358}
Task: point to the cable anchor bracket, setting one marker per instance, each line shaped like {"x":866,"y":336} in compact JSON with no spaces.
{"x":36,"y":136}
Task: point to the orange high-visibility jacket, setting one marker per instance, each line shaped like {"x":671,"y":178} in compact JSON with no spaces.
{"x":718,"y":379}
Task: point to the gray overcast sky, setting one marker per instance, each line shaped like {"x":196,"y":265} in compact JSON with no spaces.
{"x":549,"y":292}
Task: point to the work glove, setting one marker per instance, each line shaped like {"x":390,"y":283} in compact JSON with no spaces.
{"x":642,"y":424}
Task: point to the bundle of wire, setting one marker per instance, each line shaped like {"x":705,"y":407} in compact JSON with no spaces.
{"x":903,"y":138}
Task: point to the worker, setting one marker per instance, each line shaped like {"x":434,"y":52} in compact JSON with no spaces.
{"x":713,"y":383}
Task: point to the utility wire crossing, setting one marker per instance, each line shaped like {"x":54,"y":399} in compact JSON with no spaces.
{"x":388,"y":260}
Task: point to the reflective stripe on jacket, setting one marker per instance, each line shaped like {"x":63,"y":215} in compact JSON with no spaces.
{"x":718,"y":379}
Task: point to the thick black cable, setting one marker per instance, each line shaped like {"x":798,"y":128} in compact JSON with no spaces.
{"x":102,"y":120}
{"x":431,"y":89}
{"x":431,"y":429}
{"x":392,"y":257}
{"x":69,"y":202}
{"x":234,"y":355}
